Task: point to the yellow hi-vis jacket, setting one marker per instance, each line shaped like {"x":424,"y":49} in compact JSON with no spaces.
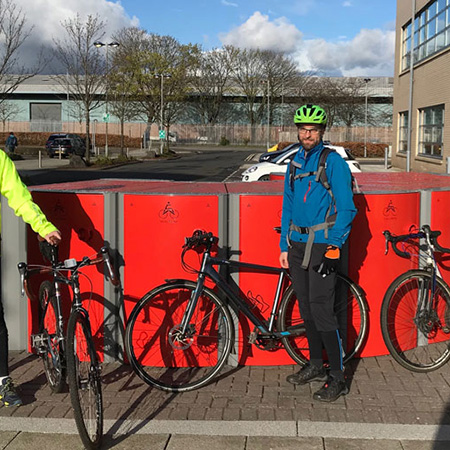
{"x":19,"y":197}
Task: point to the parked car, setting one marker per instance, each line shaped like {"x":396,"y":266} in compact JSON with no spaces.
{"x":262,"y":170}
{"x":74,"y":136}
{"x":66,"y":147}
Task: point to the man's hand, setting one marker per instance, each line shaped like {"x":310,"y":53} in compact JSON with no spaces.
{"x":284,"y":260}
{"x":330,"y":261}
{"x":53,"y":238}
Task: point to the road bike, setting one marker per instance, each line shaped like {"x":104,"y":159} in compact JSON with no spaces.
{"x":72,"y":356}
{"x":415,"y":314}
{"x":180,"y":334}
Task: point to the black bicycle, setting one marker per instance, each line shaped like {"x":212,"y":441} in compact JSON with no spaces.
{"x":180,"y":334}
{"x":73,"y":354}
{"x":415,"y":315}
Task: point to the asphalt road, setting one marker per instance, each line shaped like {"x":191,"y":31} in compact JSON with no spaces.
{"x":193,"y":165}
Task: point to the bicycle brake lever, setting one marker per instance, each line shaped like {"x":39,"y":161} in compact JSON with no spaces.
{"x":22,"y":270}
{"x":106,"y":258}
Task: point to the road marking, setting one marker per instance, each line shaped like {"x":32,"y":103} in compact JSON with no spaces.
{"x":250,"y":157}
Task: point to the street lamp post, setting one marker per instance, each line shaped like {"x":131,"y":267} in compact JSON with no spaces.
{"x":161,"y":76}
{"x":99,"y":44}
{"x":268,"y":112}
{"x":366,"y":80}
{"x":93,"y":135}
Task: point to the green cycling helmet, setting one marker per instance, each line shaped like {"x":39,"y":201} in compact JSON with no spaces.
{"x":310,"y":114}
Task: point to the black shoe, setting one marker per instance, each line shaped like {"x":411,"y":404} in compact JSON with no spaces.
{"x":307,"y":374}
{"x":8,"y":393}
{"x":331,"y":390}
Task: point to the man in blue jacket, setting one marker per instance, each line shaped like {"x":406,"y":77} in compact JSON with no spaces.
{"x":11,"y":143}
{"x":315,"y":224}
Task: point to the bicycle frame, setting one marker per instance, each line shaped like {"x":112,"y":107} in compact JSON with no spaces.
{"x":208,"y":271}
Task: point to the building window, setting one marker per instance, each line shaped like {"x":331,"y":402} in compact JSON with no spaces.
{"x":431,"y":33}
{"x":403,"y":132}
{"x":431,"y":131}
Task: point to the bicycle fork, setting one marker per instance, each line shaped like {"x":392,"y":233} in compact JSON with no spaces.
{"x":186,"y":326}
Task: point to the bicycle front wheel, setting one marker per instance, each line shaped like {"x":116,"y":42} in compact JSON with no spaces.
{"x":351,"y":312}
{"x":166,"y":357}
{"x":50,"y":340}
{"x":83,"y":373}
{"x":415,"y":322}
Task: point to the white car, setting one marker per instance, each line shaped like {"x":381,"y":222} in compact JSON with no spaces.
{"x":262,"y":171}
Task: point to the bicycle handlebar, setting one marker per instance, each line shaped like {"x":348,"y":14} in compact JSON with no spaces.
{"x":69,"y":264}
{"x":200,"y":238}
{"x":424,"y":233}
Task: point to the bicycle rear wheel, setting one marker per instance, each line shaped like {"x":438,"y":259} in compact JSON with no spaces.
{"x":161,"y":354}
{"x":83,"y":373}
{"x":49,"y":342}
{"x":418,"y":339}
{"x":351,"y":312}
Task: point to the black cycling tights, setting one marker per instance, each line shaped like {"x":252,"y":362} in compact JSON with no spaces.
{"x":3,"y":345}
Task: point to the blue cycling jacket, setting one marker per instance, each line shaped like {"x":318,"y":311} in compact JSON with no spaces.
{"x":307,"y":204}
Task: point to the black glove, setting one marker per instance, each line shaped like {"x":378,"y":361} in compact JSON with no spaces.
{"x":330,"y":261}
{"x":48,"y":251}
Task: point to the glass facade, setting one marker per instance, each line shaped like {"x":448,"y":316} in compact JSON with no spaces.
{"x":431,"y":33}
{"x":431,"y":131}
{"x":403,"y":132}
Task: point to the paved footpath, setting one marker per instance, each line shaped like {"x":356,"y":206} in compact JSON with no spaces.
{"x":247,"y":408}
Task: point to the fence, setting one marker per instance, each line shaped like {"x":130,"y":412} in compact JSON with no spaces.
{"x":207,"y":134}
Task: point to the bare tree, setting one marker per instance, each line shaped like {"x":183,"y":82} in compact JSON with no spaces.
{"x":13,"y":33}
{"x":262,"y":77}
{"x":84,"y":65}
{"x":122,"y":88}
{"x":212,"y":83}
{"x":8,"y":111}
{"x":343,"y":99}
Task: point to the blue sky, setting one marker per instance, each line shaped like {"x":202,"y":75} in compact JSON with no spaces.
{"x":334,"y":37}
{"x":202,"y":21}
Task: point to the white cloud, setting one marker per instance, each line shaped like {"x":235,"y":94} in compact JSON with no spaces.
{"x":226,"y":3}
{"x":259,"y":32}
{"x":347,"y":4}
{"x":370,"y":52}
{"x":46,"y":16}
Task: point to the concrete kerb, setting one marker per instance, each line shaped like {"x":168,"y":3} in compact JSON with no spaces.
{"x":337,"y":430}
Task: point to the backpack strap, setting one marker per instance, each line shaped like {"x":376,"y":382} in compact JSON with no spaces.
{"x":311,"y":231}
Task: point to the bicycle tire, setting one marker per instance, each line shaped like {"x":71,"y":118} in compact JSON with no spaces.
{"x":351,"y":308}
{"x":51,"y":348}
{"x":417,"y":343}
{"x":83,"y":374}
{"x":163,"y":358}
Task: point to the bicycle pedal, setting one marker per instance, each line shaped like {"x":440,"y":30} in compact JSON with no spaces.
{"x":39,"y":343}
{"x":252,"y":337}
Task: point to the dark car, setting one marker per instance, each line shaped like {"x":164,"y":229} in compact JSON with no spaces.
{"x":73,"y":136}
{"x":269,"y":156}
{"x":66,"y":147}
